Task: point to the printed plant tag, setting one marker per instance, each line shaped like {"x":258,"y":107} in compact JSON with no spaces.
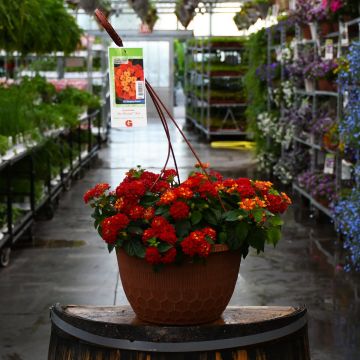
{"x":345,"y":170}
{"x":329,"y":164}
{"x":127,"y":87}
{"x":329,"y":49}
{"x":344,"y":35}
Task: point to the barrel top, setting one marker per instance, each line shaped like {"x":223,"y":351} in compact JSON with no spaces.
{"x":119,"y":325}
{"x":124,"y":315}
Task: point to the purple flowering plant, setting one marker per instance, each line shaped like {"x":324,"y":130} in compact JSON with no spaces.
{"x":320,"y":69}
{"x":309,"y":11}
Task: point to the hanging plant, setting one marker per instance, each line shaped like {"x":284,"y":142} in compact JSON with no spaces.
{"x":248,"y":15}
{"x":185,"y":11}
{"x":89,"y":6}
{"x":146,"y":11}
{"x":33,"y":26}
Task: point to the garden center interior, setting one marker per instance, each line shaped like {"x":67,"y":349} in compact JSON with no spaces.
{"x":262,"y":89}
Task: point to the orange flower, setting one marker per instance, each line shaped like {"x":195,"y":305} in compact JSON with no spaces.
{"x":286,"y":198}
{"x":202,"y":165}
{"x":263,"y":186}
{"x":247,"y":204}
{"x":168,"y":197}
{"x":119,"y":204}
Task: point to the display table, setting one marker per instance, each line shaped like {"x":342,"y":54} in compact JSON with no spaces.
{"x":114,"y":333}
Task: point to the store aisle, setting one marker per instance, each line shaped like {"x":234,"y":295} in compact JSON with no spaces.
{"x":70,"y":264}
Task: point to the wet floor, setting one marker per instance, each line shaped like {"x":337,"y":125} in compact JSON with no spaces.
{"x":68,"y":263}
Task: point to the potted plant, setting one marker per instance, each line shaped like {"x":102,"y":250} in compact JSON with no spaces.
{"x":179,"y":244}
{"x":185,"y":11}
{"x":248,"y":15}
{"x":322,"y":71}
{"x":146,"y":11}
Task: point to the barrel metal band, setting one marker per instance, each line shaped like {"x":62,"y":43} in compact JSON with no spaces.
{"x":189,"y":346}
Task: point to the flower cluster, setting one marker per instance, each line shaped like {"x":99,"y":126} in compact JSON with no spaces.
{"x":309,"y":11}
{"x":152,"y":217}
{"x":126,"y":76}
{"x":284,"y":94}
{"x":347,"y":215}
{"x":319,"y":185}
{"x":320,"y":69}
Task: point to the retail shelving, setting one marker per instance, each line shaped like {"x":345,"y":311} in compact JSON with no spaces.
{"x":308,"y":141}
{"x":32,"y":165}
{"x":215,"y":102}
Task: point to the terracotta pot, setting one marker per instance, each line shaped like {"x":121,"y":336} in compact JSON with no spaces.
{"x":325,"y":28}
{"x":191,"y":293}
{"x":326,"y":85}
{"x":306,"y":32}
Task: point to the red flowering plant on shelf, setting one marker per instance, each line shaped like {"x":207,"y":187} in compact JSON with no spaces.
{"x":152,"y":216}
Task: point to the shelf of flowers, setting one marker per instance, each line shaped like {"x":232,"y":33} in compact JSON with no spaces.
{"x":49,"y":140}
{"x":215,"y":96}
{"x":309,"y":132}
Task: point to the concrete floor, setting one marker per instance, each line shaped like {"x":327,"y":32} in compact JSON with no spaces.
{"x":68,"y":262}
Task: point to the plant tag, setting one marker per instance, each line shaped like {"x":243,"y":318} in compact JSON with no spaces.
{"x":344,"y":34}
{"x":345,"y":99}
{"x":345,"y":170}
{"x":292,"y":5}
{"x":127,"y":87}
{"x":329,"y":164}
{"x":329,"y":49}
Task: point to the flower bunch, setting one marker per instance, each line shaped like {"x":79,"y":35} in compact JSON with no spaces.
{"x":269,"y":72}
{"x":126,"y":76}
{"x":153,"y":217}
{"x":349,"y":84}
{"x":309,"y":11}
{"x":284,"y":94}
{"x":335,"y":9}
{"x":320,"y":69}
{"x":347,"y":215}
{"x":291,"y":164}
{"x":319,"y":185}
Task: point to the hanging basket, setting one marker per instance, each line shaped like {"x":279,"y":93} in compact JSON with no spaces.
{"x":191,"y":293}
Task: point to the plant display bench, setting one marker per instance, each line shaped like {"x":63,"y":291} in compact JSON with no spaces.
{"x":114,"y":332}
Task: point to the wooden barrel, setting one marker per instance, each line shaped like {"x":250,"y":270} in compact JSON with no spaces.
{"x":242,"y":333}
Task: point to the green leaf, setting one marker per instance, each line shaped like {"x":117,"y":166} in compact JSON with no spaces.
{"x":217,"y":213}
{"x":163,"y":247}
{"x":134,"y":248}
{"x":135,"y":230}
{"x":182,"y":228}
{"x":233,"y":215}
{"x":110,"y":247}
{"x":276,"y":220}
{"x":236,"y":235}
{"x":196,"y":217}
{"x":161,"y":210}
{"x":256,"y":239}
{"x":274,"y":235}
{"x":258,"y":215}
{"x":222,"y":237}
{"x":210,"y":218}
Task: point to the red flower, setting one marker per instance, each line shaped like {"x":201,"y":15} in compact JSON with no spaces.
{"x":169,"y":256}
{"x":195,"y":244}
{"x":136,"y":212}
{"x":111,"y":226}
{"x":179,"y":210}
{"x":161,"y":186}
{"x":169,"y":174}
{"x":96,"y":191}
{"x":276,"y":204}
{"x":245,"y":188}
{"x":148,"y":234}
{"x":167,"y":233}
{"x":184,"y":192}
{"x":158,"y":222}
{"x":207,"y":188}
{"x":152,"y":255}
{"x":131,"y":190}
{"x":149,"y":213}
{"x":210,"y":232}
{"x":148,"y":178}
